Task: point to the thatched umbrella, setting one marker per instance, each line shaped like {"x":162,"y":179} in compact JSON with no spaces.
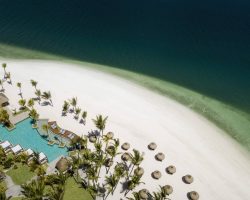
{"x":152,"y":146}
{"x":168,"y":189}
{"x":171,"y":169}
{"x":143,"y":194}
{"x":193,"y":195}
{"x":160,"y":156}
{"x":63,"y":165}
{"x":92,"y":139}
{"x":188,"y":179}
{"x":125,"y":157}
{"x":125,"y":146}
{"x":110,"y":135}
{"x":139,"y":171}
{"x":156,"y":174}
{"x":108,"y":162}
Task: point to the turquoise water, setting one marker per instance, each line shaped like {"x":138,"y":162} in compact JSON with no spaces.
{"x":28,"y":137}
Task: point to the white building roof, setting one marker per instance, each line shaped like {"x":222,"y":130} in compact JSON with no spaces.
{"x":16,"y":148}
{"x":5,"y":144}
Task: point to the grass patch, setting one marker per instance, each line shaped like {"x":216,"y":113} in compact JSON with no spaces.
{"x":74,"y":191}
{"x":3,"y":186}
{"x":16,"y":198}
{"x":20,"y":175}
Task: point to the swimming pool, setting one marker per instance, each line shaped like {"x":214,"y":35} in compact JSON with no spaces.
{"x":28,"y":137}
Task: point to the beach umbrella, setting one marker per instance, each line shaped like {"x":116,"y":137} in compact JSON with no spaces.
{"x":168,"y":189}
{"x":160,"y":156}
{"x":152,"y":146}
{"x":143,"y":194}
{"x":62,"y":165}
{"x":193,"y":195}
{"x":125,"y":157}
{"x":110,"y":135}
{"x":188,"y":179}
{"x":125,"y":146}
{"x":171,"y":169}
{"x":139,"y":171}
{"x":108,"y":162}
{"x":156,"y":174}
{"x":92,"y":139}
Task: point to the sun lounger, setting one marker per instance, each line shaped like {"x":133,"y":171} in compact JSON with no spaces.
{"x":6,"y":145}
{"x":42,"y":158}
{"x":17,"y":149}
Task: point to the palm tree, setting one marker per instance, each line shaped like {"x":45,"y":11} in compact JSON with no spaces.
{"x":84,"y":116}
{"x":8,"y":76}
{"x":110,"y":183}
{"x":34,"y":115}
{"x":57,"y":192}
{"x":22,"y":103}
{"x":77,"y":111}
{"x":4,"y":65}
{"x":4,"y":117}
{"x":136,"y":159}
{"x":31,"y":103}
{"x":136,"y":196}
{"x":34,"y":190}
{"x":1,"y":83}
{"x":38,"y":94}
{"x":100,"y":123}
{"x":33,"y":83}
{"x":133,"y":183}
{"x":19,"y":85}
{"x":47,"y":96}
{"x":3,"y":196}
{"x":65,"y":107}
{"x":45,"y":128}
{"x":73,"y":103}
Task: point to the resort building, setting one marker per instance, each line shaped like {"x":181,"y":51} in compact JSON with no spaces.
{"x":61,"y":135}
{"x":4,"y":101}
{"x":55,"y":134}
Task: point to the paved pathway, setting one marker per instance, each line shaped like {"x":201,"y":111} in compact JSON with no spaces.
{"x":51,"y":168}
{"x":13,"y":189}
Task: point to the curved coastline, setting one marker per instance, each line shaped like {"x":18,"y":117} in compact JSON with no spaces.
{"x":233,"y":121}
{"x":139,"y":116}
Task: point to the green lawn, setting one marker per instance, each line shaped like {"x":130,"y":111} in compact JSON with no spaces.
{"x":3,"y":186}
{"x":16,"y":198}
{"x":73,"y":191}
{"x":20,"y":175}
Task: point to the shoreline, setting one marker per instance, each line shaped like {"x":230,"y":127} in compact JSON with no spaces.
{"x":136,"y":115}
{"x":232,"y":120}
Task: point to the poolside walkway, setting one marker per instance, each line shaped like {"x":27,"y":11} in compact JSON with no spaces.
{"x":14,"y":119}
{"x":13,"y":189}
{"x":52,"y":166}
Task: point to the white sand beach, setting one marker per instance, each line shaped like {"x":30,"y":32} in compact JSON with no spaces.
{"x":219,"y":165}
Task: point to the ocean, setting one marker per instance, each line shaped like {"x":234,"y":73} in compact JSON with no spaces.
{"x":197,"y":52}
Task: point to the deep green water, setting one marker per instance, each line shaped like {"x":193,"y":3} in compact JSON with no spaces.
{"x":203,"y":46}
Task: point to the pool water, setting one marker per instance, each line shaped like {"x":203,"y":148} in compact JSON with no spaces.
{"x":28,"y":137}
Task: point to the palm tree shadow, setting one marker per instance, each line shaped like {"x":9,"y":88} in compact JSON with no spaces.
{"x":94,"y":133}
{"x":45,"y":103}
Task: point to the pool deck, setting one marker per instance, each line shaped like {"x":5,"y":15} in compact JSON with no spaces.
{"x":14,"y":119}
